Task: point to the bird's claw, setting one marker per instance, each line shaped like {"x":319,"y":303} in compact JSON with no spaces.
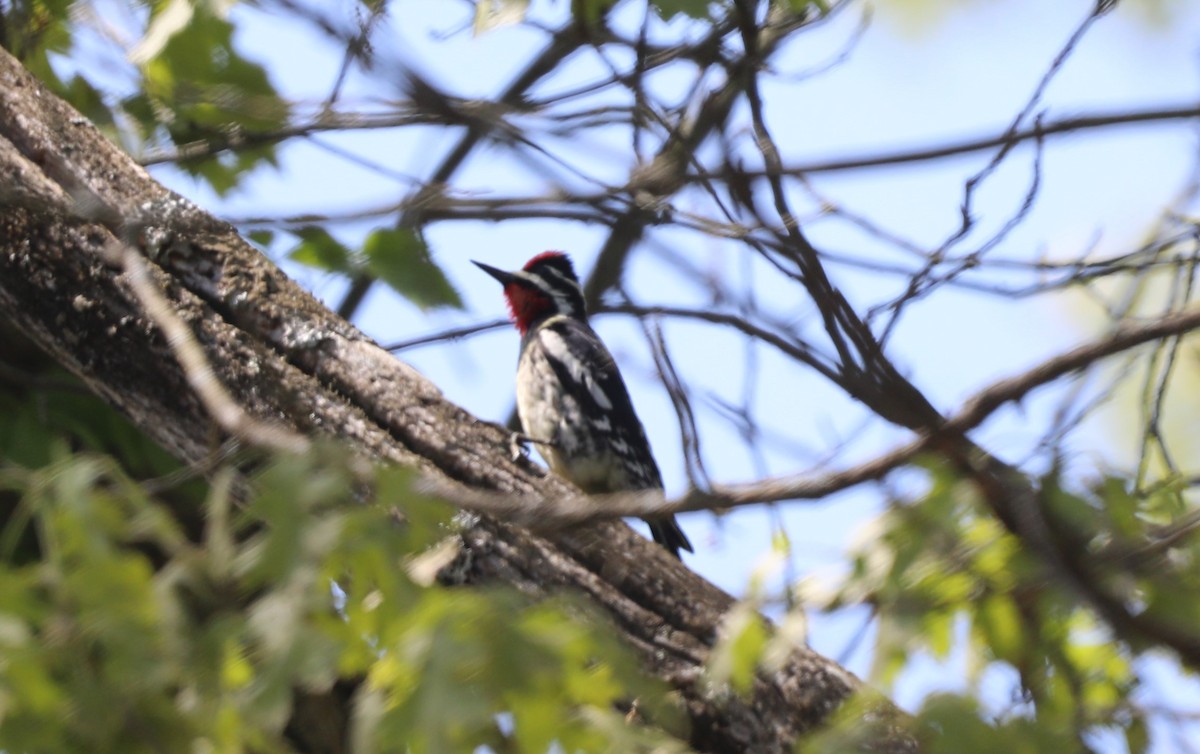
{"x":518,"y":447}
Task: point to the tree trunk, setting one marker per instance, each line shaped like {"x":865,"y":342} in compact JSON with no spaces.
{"x":68,"y":197}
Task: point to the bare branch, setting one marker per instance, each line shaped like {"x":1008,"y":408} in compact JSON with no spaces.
{"x":545,"y":513}
{"x":1036,"y":132}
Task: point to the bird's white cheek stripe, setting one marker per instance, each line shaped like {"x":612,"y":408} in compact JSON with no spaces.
{"x":566,"y":280}
{"x":556,"y":348}
{"x":562,"y":303}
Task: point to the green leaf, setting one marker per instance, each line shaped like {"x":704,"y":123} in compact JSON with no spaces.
{"x":166,"y":22}
{"x":89,"y":101}
{"x":956,"y":725}
{"x":588,"y":12}
{"x":802,"y":6}
{"x":857,"y":725}
{"x":998,"y":627}
{"x":197,"y":88}
{"x":1137,"y":735}
{"x":892,"y":639}
{"x":1123,"y":508}
{"x":743,"y":639}
{"x":261,"y":238}
{"x":400,"y":258}
{"x":669,"y":9}
{"x":319,"y":249}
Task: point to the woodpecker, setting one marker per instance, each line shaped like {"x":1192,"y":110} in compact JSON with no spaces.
{"x":571,"y":399}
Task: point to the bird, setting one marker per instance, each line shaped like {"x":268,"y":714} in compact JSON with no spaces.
{"x":571,"y":400}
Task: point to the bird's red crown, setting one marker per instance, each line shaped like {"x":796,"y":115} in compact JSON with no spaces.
{"x":543,"y":257}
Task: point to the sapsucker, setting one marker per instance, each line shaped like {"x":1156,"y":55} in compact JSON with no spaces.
{"x":571,"y":399}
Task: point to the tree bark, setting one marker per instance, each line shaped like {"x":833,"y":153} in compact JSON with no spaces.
{"x":68,"y":197}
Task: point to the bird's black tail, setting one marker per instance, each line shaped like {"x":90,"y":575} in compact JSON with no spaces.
{"x":667,"y":533}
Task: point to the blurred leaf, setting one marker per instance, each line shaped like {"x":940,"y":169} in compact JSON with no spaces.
{"x":33,"y":29}
{"x":800,"y":6}
{"x":1122,"y":508}
{"x":400,"y":258}
{"x":954,"y":724}
{"x":1137,"y":736}
{"x":317,"y":248}
{"x":893,"y":640}
{"x":39,"y":422}
{"x":88,"y":100}
{"x":998,"y":627}
{"x":668,"y":9}
{"x":461,"y":657}
{"x":123,"y":619}
{"x":198,"y":88}
{"x":790,"y":634}
{"x":735,"y":658}
{"x":588,"y":12}
{"x":262,"y":238}
{"x":857,"y":725}
{"x":165,"y":22}
{"x":492,"y":14}
{"x":1104,"y":673}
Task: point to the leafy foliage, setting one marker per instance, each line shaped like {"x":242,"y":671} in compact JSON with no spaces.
{"x":397,"y":256}
{"x":197,"y":88}
{"x":127,"y":635}
{"x":319,"y":249}
{"x":190,"y":85}
{"x":944,"y":577}
{"x":400,"y":258}
{"x":144,"y":609}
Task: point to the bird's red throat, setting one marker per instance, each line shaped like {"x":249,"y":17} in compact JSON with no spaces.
{"x":525,"y":305}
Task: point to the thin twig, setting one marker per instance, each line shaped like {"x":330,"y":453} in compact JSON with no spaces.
{"x":543,"y":514}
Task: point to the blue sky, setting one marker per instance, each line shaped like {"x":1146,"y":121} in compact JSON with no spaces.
{"x":963,"y":72}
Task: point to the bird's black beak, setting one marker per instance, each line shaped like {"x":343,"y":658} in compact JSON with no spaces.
{"x":504,"y":277}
